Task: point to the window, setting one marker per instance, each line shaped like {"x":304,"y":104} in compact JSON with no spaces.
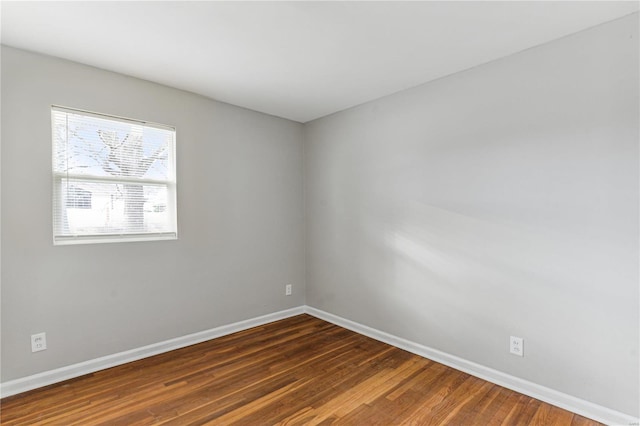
{"x":113,"y":178}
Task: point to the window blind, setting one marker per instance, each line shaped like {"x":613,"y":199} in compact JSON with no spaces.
{"x":114,"y":178}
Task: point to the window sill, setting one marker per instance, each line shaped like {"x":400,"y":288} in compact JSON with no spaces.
{"x":120,"y":238}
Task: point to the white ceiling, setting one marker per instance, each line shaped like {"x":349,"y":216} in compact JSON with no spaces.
{"x":298,"y":60}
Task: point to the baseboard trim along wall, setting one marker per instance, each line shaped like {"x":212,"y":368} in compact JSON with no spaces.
{"x":45,"y":378}
{"x":559,"y":399}
{"x":553,"y":397}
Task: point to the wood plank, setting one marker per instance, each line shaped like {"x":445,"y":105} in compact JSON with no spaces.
{"x":298,"y":371}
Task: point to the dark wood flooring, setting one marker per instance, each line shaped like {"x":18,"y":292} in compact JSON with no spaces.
{"x":298,"y":371}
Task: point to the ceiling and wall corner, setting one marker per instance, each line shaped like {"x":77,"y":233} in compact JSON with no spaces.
{"x":296,"y":60}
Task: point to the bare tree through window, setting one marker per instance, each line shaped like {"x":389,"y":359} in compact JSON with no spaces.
{"x":126,"y":167}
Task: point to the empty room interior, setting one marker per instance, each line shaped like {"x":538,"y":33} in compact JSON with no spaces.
{"x":308,"y":213}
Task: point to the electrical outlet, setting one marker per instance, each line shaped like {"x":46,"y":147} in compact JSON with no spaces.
{"x":516,"y":345}
{"x":287,"y":290}
{"x":38,"y":342}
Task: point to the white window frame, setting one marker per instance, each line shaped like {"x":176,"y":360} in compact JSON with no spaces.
{"x":170,"y":184}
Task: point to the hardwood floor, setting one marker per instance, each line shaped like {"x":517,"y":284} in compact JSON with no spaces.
{"x":298,"y":371}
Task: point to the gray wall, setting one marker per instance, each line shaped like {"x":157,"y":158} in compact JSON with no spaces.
{"x":498,"y":201}
{"x":240,"y":222}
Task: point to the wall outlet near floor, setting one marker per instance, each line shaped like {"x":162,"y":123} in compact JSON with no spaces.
{"x":287,"y":290}
{"x":38,"y":342}
{"x":516,"y":345}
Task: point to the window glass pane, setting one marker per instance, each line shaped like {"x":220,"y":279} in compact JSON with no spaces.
{"x":113,"y":178}
{"x":92,"y":208}
{"x":101,"y":147}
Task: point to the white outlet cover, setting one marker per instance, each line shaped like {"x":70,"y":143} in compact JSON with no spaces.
{"x":516,"y":345}
{"x":38,"y":342}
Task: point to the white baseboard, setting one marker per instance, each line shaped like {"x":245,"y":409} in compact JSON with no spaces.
{"x":559,"y":399}
{"x":45,"y":378}
{"x":553,"y":397}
